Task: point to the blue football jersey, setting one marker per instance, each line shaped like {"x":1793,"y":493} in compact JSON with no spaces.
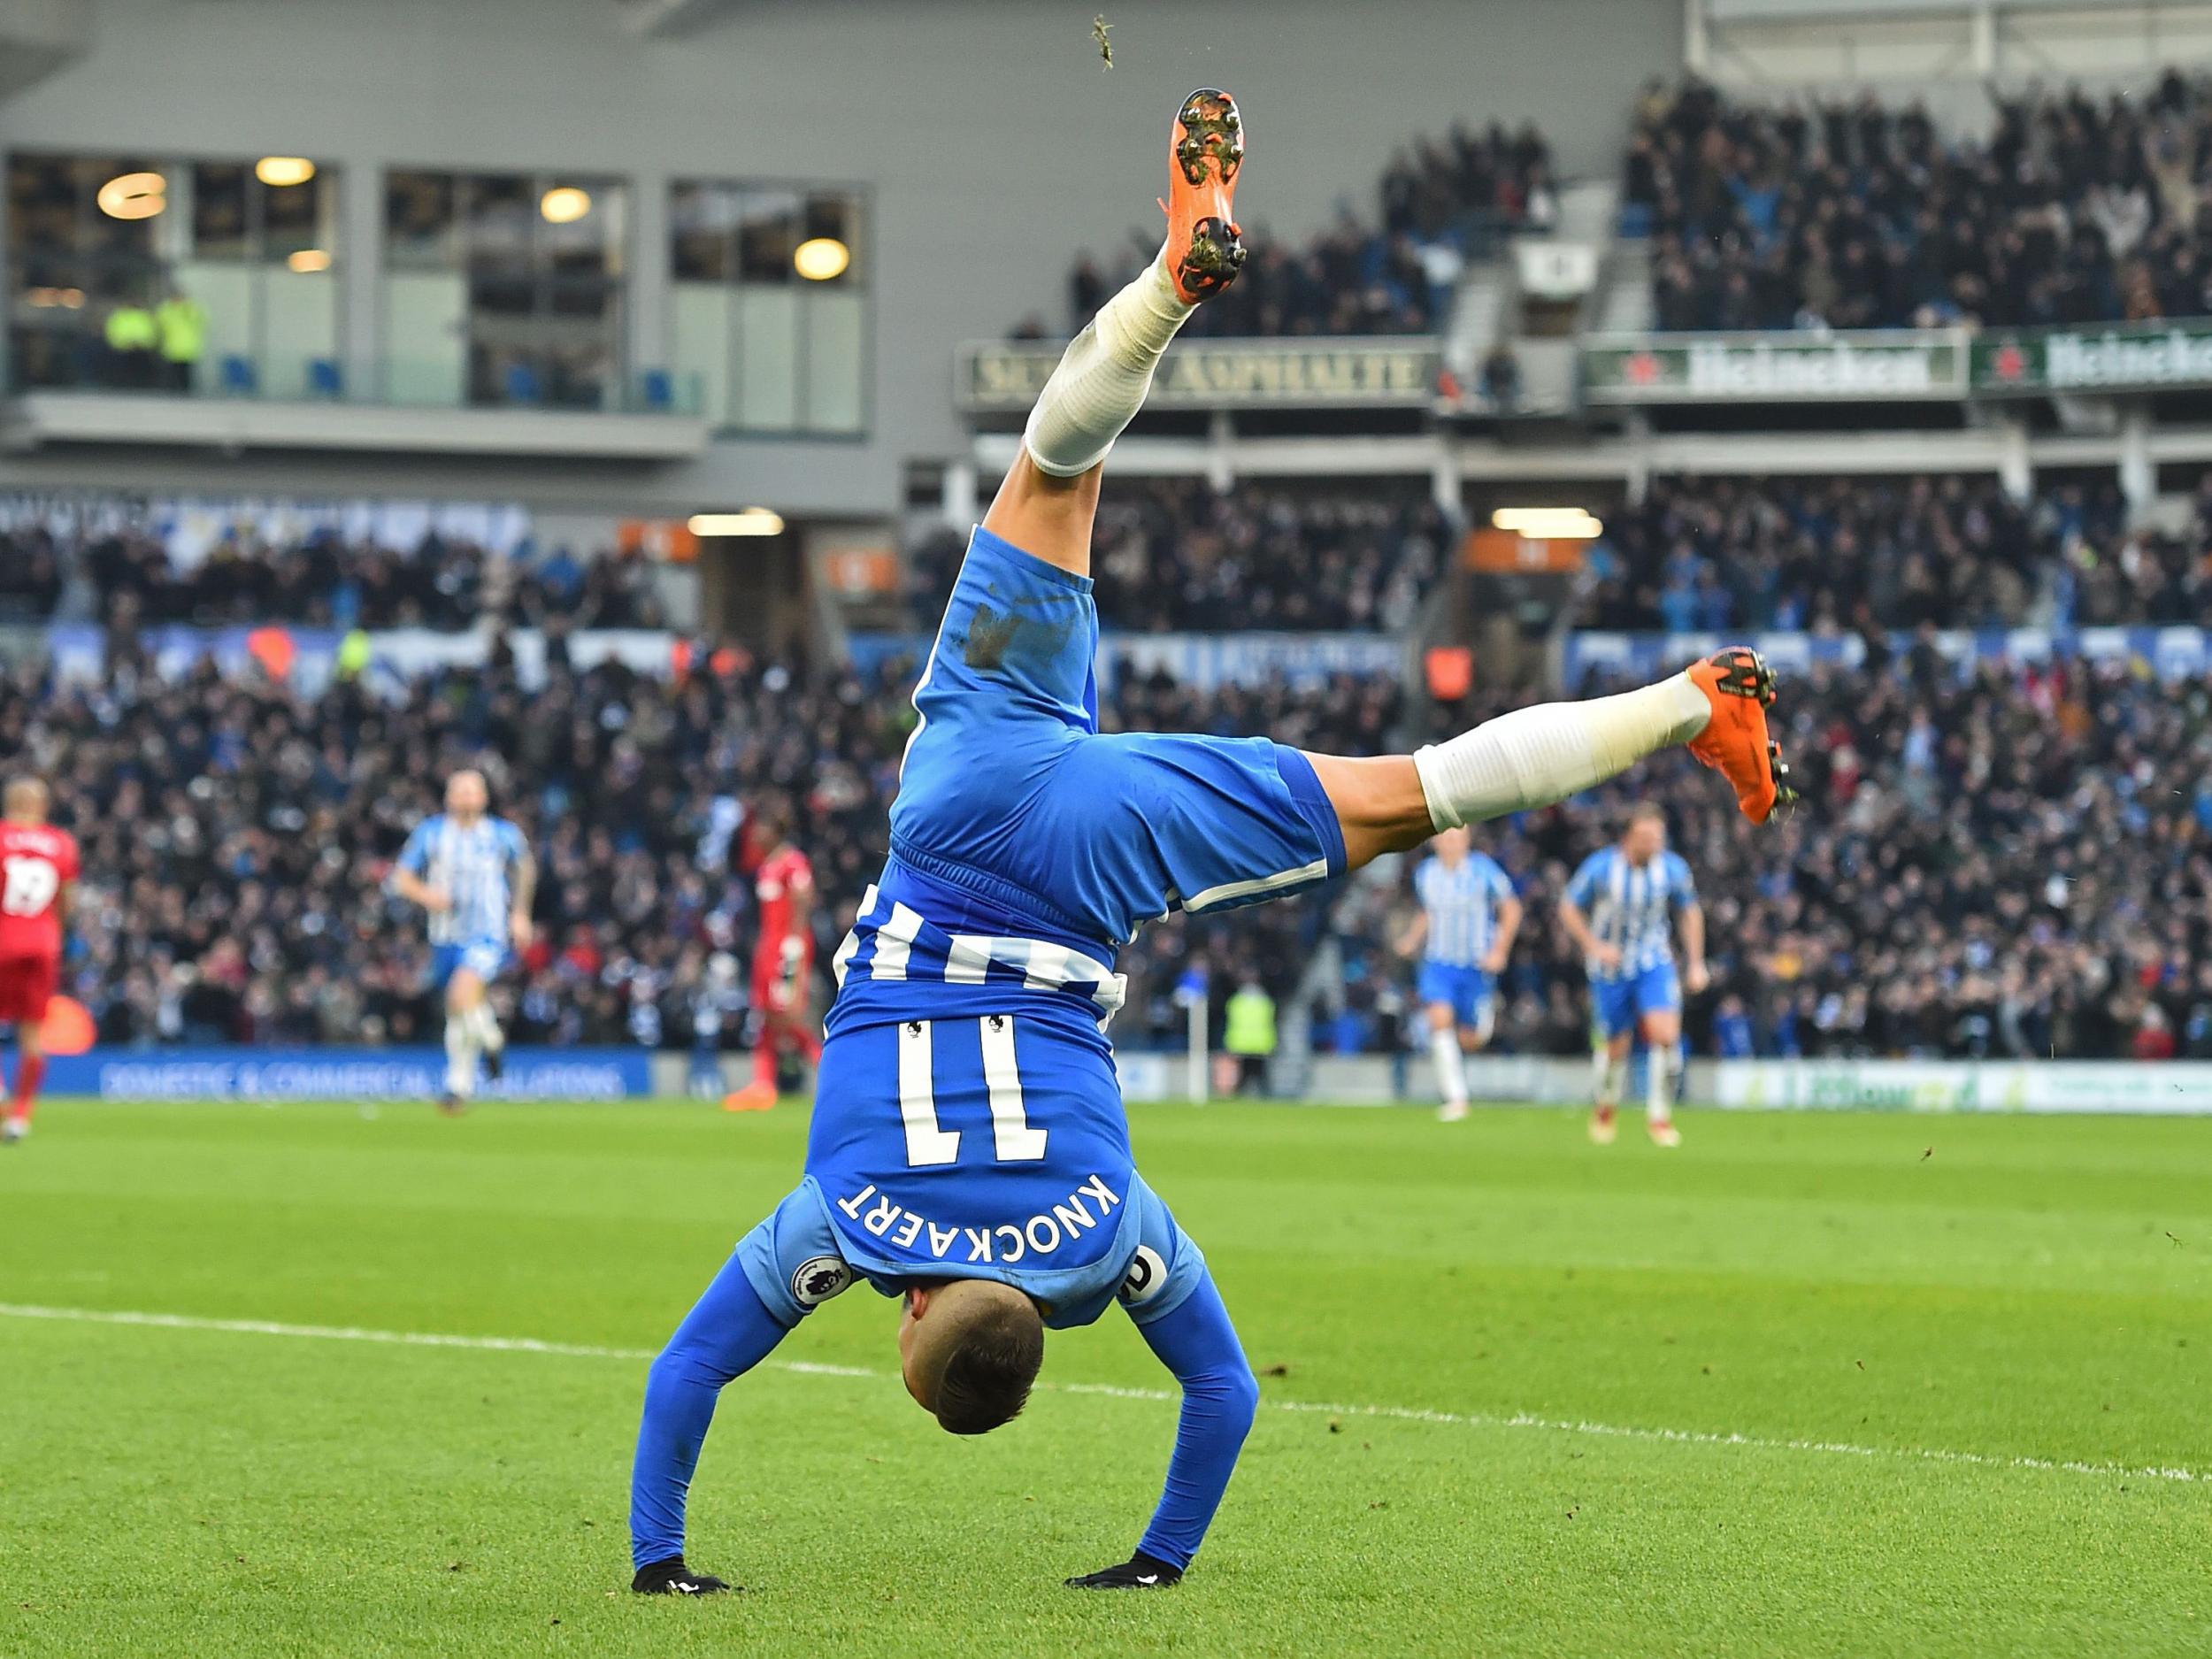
{"x":1632,"y":906}
{"x":1027,"y":847}
{"x":1461,"y":902}
{"x":968,"y":1122}
{"x":474,"y":864}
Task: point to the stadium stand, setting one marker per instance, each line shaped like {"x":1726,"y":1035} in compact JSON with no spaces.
{"x":1861,"y":214}
{"x":1440,"y":200}
{"x":234,"y":832}
{"x":1177,"y":554}
{"x":126,"y":569}
{"x":1948,"y":890}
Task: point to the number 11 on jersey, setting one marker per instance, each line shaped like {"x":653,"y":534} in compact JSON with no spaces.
{"x":928,"y":1143}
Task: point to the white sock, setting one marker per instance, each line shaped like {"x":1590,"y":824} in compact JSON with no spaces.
{"x":485,"y":1027}
{"x":1103,"y":376}
{"x":460,"y":1056}
{"x":1606,"y":1076}
{"x":1658,"y":1079}
{"x":1451,"y":1073}
{"x":1534,"y":757}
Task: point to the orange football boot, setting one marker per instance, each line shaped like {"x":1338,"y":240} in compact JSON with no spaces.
{"x":1205,"y":148}
{"x":754,"y":1097}
{"x":1740,"y":686}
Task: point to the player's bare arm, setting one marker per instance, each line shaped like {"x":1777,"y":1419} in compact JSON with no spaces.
{"x":1585,"y":941}
{"x":415,"y":890}
{"x":520,"y":928}
{"x":1510,"y":913}
{"x":1695,"y":976}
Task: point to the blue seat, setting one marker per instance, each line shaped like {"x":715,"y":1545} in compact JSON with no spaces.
{"x":657,"y":390}
{"x":522,"y":384}
{"x":239,"y":379}
{"x":325,"y":378}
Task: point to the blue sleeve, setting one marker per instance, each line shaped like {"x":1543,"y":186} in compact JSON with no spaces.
{"x":1195,"y":1341}
{"x":414,"y":857}
{"x":1683,"y":884}
{"x":792,"y":1259}
{"x":1585,"y":882}
{"x":725,"y":1334}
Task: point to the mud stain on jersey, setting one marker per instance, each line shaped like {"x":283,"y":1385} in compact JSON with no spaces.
{"x":989,"y":634}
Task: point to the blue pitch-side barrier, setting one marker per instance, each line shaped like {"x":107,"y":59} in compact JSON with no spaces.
{"x":290,"y":1074}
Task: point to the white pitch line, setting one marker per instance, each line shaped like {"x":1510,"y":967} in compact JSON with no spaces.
{"x":1396,"y":1414}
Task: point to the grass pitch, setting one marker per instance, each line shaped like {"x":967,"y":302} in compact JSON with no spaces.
{"x":1971,"y":1386}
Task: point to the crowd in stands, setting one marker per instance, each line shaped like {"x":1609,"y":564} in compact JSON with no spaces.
{"x":124,"y":571}
{"x":237,"y":833}
{"x":1385,"y":272}
{"x":1858,"y":214}
{"x":1999,"y":861}
{"x":2011,"y":861}
{"x":1176,"y":555}
{"x":1829,"y":554}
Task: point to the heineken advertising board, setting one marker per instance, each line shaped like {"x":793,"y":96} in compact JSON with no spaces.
{"x":1868,"y":367}
{"x":1393,"y":374}
{"x":2121,"y":357}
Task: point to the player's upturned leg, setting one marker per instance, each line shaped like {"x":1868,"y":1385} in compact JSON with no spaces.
{"x":1536,"y":756}
{"x":1046,"y":507}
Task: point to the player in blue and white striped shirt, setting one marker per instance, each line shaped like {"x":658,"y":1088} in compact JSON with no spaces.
{"x":1464,"y":932}
{"x":474,"y":874}
{"x":1619,"y":909}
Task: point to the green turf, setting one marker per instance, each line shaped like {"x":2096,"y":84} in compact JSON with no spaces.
{"x":2033,"y":1289}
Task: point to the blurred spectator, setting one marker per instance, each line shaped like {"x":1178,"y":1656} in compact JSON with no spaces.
{"x":1829,"y":554}
{"x":1174,"y":554}
{"x":321,"y":580}
{"x":1860,"y":215}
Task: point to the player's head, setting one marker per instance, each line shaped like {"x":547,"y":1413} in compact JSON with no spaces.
{"x":24,"y":800}
{"x":772,"y":820}
{"x":969,"y":1349}
{"x":1451,"y":845}
{"x":1646,"y":836}
{"x":467,"y":794}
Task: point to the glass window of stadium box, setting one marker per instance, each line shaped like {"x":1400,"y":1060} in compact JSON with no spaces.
{"x":507,"y":288}
{"x":144,"y":273}
{"x":769,"y":305}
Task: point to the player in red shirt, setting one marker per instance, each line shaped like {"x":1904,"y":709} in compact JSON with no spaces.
{"x":38,"y":877}
{"x":783,"y":957}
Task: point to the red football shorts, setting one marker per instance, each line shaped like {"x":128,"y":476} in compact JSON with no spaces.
{"x":27,"y":984}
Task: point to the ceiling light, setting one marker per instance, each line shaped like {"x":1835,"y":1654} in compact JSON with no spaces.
{"x":565,"y":205}
{"x":282,"y":169}
{"x":1548,"y":523}
{"x":821,"y":258}
{"x":751,"y":521}
{"x":308,"y":260}
{"x":134,"y":195}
